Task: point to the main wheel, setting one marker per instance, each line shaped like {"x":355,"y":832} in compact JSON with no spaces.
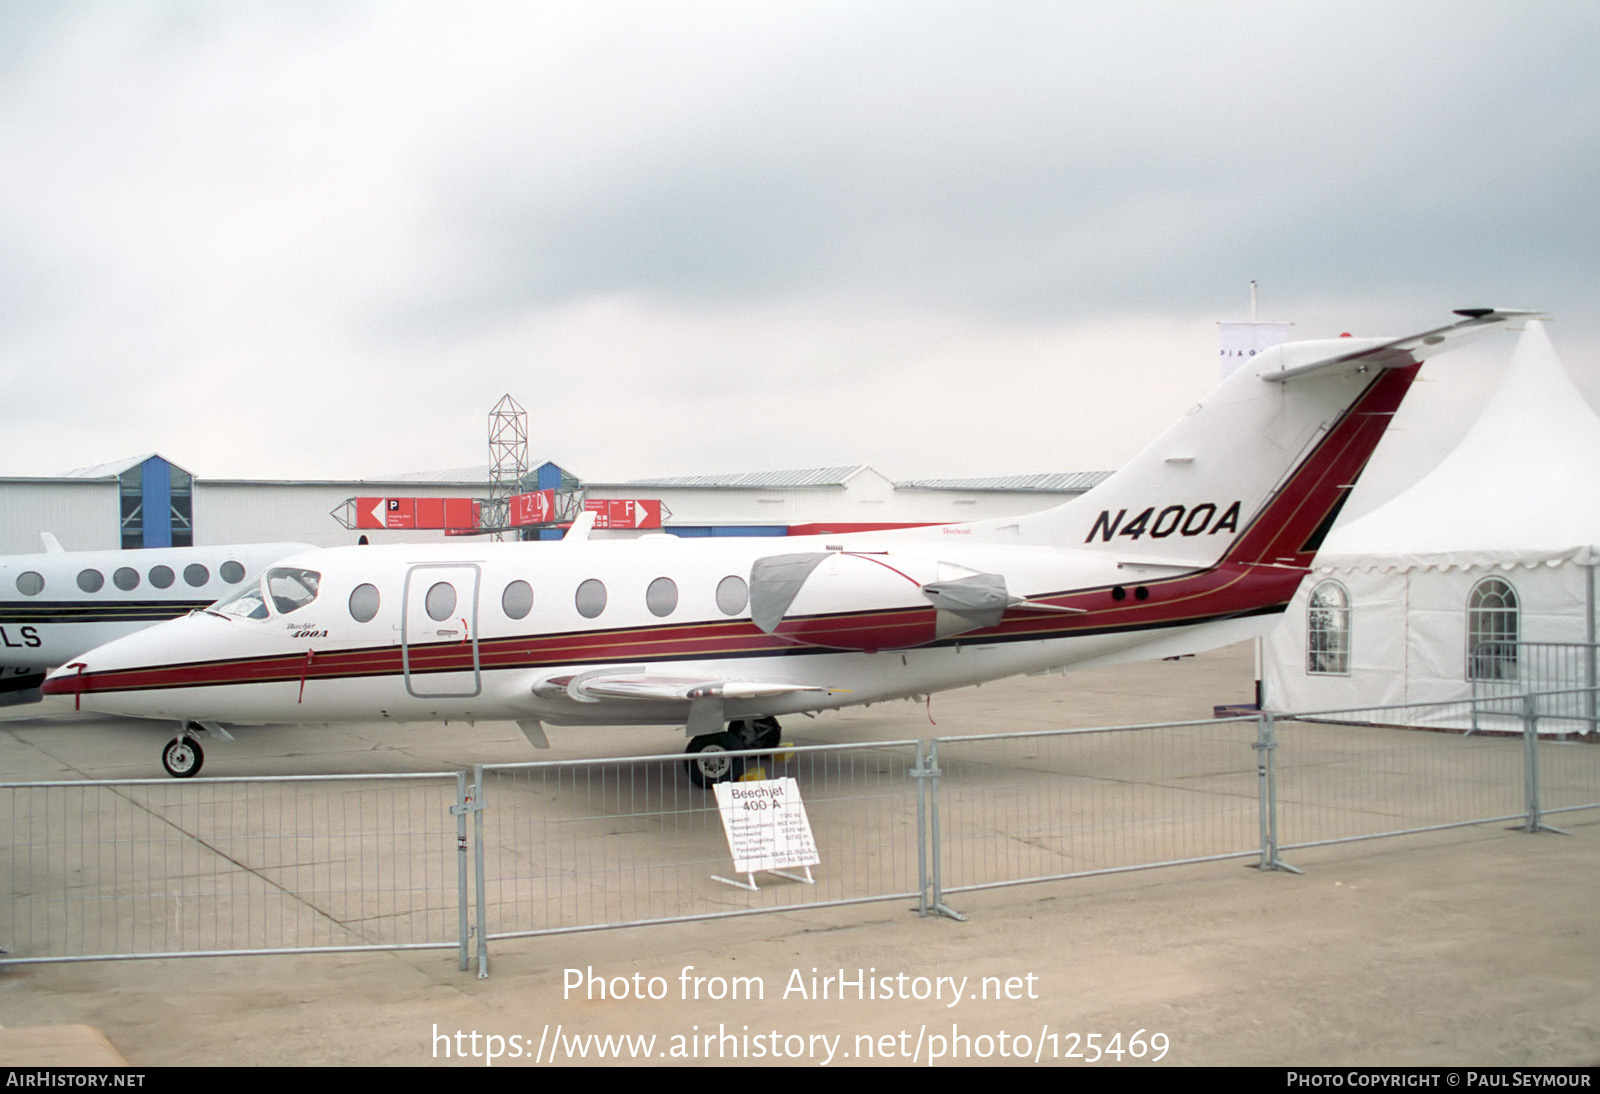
{"x":708,"y":766}
{"x":182,"y":757}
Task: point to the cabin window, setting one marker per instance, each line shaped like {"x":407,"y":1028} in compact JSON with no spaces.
{"x":30,"y":583}
{"x":196,"y":575}
{"x":91,"y":581}
{"x":161,"y":577}
{"x":291,"y":588}
{"x":440,"y":601}
{"x":231,"y":572}
{"x":517,"y":600}
{"x":1328,"y":631}
{"x":732,"y":595}
{"x":662,"y":596}
{"x":126,"y":578}
{"x":1492,"y":630}
{"x":364,"y":603}
{"x":591,"y":598}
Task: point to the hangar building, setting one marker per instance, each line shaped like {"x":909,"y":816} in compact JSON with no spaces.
{"x":148,"y":501}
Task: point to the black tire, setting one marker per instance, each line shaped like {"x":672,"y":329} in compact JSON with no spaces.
{"x":182,"y":757}
{"x":709,"y":767}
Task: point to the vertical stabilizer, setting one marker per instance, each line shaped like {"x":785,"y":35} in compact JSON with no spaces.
{"x":1257,"y":472}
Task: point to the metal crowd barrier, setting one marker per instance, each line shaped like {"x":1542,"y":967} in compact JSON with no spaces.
{"x":163,"y":868}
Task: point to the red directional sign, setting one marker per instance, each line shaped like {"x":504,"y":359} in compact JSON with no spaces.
{"x":451,"y":513}
{"x":538,"y":507}
{"x":625,"y":512}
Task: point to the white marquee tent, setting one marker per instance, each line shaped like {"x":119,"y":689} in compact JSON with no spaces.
{"x":1499,"y":543}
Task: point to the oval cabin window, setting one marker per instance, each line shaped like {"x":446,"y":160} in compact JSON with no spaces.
{"x":662,"y":596}
{"x":517,"y":600}
{"x":591,"y":598}
{"x":364,"y":603}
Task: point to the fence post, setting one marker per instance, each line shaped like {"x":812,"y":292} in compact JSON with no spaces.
{"x":477,"y":859}
{"x":927,"y":772}
{"x":463,"y":932}
{"x":1266,"y":747}
{"x":923,"y":881}
{"x":1530,"y":766}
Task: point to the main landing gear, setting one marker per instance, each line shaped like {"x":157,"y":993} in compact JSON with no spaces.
{"x":709,"y":766}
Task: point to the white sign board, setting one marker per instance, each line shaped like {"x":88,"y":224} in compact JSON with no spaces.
{"x":766,"y":825}
{"x":1238,"y":342}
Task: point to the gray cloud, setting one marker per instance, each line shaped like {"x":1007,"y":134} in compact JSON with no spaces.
{"x":304,"y":209}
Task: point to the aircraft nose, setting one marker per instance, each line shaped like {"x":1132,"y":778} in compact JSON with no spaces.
{"x":67,"y":680}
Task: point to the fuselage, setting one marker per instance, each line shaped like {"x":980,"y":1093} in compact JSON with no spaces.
{"x":410,"y":632}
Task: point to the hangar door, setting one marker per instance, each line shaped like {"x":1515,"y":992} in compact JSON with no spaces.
{"x":439,"y":636}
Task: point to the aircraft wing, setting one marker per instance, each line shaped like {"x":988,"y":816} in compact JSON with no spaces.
{"x":612,"y":683}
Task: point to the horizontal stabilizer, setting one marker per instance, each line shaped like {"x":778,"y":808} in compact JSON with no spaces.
{"x":1296,"y":360}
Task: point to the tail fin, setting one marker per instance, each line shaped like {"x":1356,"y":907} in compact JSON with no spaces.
{"x":1257,"y":472}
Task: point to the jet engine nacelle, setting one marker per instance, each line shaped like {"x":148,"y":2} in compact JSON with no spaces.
{"x":850,"y":600}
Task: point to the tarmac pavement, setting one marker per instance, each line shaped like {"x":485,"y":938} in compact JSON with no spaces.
{"x":1466,"y":946}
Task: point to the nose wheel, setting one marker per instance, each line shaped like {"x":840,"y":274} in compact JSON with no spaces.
{"x":182,"y":757}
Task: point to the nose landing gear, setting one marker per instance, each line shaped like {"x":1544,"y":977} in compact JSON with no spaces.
{"x":183,"y":756}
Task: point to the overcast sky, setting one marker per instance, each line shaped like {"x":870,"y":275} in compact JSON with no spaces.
{"x":321,"y":239}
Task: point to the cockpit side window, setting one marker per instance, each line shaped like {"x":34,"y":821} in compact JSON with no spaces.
{"x":291,"y":589}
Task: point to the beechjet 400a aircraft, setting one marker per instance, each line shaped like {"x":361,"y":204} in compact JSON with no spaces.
{"x":1198,"y":542}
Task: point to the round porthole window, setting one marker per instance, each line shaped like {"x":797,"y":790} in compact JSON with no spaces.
{"x":364,"y":603}
{"x":517,"y":600}
{"x":591,"y":598}
{"x":441,"y":601}
{"x":662,"y":596}
{"x":732,"y":595}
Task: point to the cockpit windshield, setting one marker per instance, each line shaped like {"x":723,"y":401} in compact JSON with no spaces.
{"x":286,"y":589}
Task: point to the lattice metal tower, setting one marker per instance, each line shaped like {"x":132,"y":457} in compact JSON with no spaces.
{"x":508,"y":459}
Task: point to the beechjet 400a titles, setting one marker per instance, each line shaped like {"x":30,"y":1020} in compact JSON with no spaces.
{"x":1198,"y":542}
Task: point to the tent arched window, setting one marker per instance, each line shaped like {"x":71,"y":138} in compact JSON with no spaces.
{"x":1328,"y":631}
{"x":1492,"y":630}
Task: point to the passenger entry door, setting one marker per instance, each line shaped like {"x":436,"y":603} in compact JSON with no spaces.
{"x":439,"y":634}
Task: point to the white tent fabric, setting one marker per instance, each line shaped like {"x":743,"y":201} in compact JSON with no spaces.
{"x":1519,"y":498}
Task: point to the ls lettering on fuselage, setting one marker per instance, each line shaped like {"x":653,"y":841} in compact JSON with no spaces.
{"x":1201,"y":520}
{"x":20,"y":638}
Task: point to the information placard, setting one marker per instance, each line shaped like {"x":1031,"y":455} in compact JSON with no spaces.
{"x":766,"y":825}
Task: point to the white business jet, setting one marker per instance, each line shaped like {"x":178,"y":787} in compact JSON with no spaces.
{"x":1198,"y":542}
